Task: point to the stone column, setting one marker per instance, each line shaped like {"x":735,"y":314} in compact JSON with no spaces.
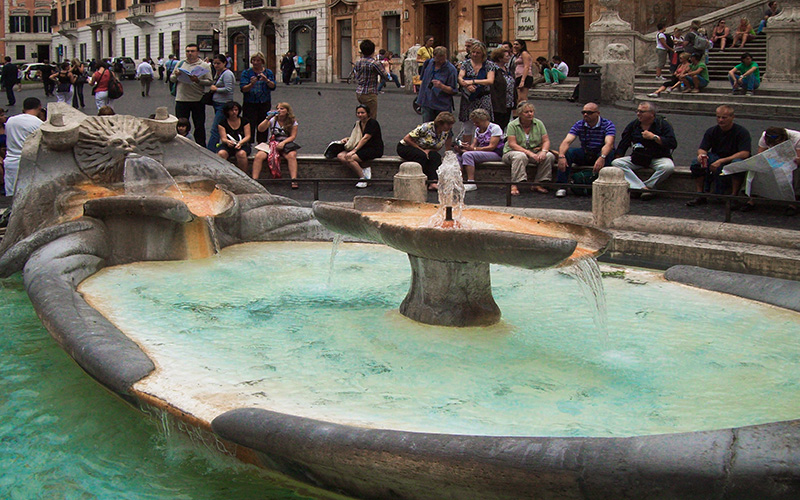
{"x":610,"y":42}
{"x":107,"y":40}
{"x":409,"y":183}
{"x":783,"y":44}
{"x":610,"y":197}
{"x":95,"y":44}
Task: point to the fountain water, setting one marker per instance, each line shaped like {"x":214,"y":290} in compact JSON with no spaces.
{"x":144,"y":176}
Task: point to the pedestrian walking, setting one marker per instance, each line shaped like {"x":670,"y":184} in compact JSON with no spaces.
{"x":144,"y":72}
{"x":64,"y":80}
{"x":100,"y":81}
{"x":79,"y":70}
{"x":161,"y":68}
{"x":8,"y":78}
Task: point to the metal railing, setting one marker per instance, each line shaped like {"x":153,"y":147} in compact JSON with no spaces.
{"x":142,"y":9}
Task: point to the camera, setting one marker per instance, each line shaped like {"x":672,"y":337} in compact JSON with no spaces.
{"x":430,"y":85}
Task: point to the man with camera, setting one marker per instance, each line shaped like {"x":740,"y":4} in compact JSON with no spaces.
{"x":439,"y":85}
{"x":652,"y":140}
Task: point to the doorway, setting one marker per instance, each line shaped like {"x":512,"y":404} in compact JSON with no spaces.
{"x":437,"y":23}
{"x":570,"y":35}
{"x":268,"y":43}
{"x":303,"y":44}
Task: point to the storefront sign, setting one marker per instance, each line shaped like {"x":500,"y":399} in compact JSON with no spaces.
{"x":387,"y":13}
{"x":527,"y":22}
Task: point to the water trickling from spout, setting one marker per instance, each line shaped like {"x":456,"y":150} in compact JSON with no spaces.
{"x":337,"y":241}
{"x":212,"y":233}
{"x":451,"y":191}
{"x":587,"y":272}
{"x":144,"y":176}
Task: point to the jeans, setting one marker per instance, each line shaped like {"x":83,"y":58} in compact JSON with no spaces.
{"x":197,"y":111}
{"x":395,"y":79}
{"x":429,"y":163}
{"x":578,"y":157}
{"x":213,"y":136}
{"x":77,"y":98}
{"x":714,"y":182}
{"x":749,"y":82}
{"x":430,"y":114}
{"x":663,"y":168}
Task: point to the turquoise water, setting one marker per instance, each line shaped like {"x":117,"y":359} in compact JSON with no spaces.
{"x":262,"y":327}
{"x":62,"y":436}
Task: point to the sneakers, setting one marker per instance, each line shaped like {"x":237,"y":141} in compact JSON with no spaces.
{"x":561,"y":193}
{"x":362,"y":183}
{"x":647,"y":196}
{"x":700,"y":200}
{"x":748,"y":93}
{"x":470,"y":186}
{"x":653,"y":94}
{"x":661,"y":78}
{"x":555,"y":83}
{"x":668,"y":90}
{"x":367,"y":173}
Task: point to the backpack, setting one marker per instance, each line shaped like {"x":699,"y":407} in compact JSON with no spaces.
{"x":583,"y":177}
{"x":115,"y":90}
{"x":701,"y":43}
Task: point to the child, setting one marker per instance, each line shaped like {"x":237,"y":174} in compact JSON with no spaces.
{"x":183,"y":127}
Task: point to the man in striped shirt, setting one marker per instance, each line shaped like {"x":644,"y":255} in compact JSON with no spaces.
{"x":597,"y":135}
{"x":367,"y":72}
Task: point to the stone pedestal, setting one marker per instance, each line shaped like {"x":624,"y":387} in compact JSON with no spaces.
{"x":610,"y":197}
{"x":783,"y":44}
{"x":409,"y":183}
{"x":410,"y":67}
{"x":609,"y":43}
{"x":450,"y":293}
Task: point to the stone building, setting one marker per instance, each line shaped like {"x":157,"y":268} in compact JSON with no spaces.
{"x":25,"y":34}
{"x":100,"y":29}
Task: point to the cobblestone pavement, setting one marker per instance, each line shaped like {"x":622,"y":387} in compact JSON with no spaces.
{"x":327,"y":111}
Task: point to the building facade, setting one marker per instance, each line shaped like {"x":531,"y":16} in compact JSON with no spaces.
{"x":25,"y":34}
{"x":324,"y":33}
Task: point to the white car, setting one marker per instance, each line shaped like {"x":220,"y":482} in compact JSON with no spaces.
{"x":30,"y":70}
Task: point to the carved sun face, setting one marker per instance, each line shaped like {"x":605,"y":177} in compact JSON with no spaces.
{"x":105,"y":142}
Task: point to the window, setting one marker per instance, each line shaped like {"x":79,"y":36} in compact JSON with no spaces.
{"x":161,"y":45}
{"x":391,"y":26}
{"x":41,"y":24}
{"x":92,"y":7}
{"x":81,"y":14}
{"x":83,"y":52}
{"x":20,"y":52}
{"x":123,"y":47}
{"x":71,"y":12}
{"x":147,"y":46}
{"x":106,"y":5}
{"x":19,"y":24}
{"x":63,"y":12}
{"x":135,"y":48}
{"x":120,"y":4}
{"x":492,"y":25}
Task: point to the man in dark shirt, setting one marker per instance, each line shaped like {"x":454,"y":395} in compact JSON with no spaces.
{"x":651,"y":139}
{"x":439,"y":85}
{"x":722,"y":144}
{"x":46,"y":71}
{"x":9,"y":78}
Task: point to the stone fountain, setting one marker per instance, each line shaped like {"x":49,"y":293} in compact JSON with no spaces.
{"x":451,"y":247}
{"x":73,"y":216}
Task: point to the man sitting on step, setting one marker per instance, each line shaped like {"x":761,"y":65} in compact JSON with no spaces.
{"x":652,"y":140}
{"x":597,"y":135}
{"x":722,"y":144}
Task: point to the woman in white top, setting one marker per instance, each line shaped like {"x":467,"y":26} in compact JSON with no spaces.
{"x":486,"y":145}
{"x":282,"y":131}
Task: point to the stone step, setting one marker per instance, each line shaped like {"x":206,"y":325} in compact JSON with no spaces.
{"x":317,"y":166}
{"x":706,"y":104}
{"x":721,"y":97}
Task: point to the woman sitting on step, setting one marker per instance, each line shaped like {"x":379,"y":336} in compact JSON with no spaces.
{"x":675,"y":82}
{"x":364,"y":144}
{"x":744,"y":33}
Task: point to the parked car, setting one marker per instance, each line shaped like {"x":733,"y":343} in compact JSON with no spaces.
{"x":128,"y":66}
{"x":30,"y":71}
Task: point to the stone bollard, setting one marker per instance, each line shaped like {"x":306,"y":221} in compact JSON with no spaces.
{"x":610,"y":197}
{"x":409,"y":183}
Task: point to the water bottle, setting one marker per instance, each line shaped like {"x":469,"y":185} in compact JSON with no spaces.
{"x":271,"y":113}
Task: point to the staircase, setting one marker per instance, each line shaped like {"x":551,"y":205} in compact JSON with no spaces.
{"x":779,"y":100}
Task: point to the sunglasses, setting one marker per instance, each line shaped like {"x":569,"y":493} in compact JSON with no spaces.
{"x":588,"y":112}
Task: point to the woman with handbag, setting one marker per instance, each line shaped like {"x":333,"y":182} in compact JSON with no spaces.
{"x":64,"y":80}
{"x":364,"y":144}
{"x":475,"y":77}
{"x":218,"y":95}
{"x":100,"y":81}
{"x":79,"y":70}
{"x":282,"y":129}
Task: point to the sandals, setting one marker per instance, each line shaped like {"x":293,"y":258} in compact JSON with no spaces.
{"x":514,"y":191}
{"x":540,"y":189}
{"x":295,"y":185}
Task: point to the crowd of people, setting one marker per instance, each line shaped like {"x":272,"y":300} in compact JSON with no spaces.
{"x":495,"y":120}
{"x":688,"y":56}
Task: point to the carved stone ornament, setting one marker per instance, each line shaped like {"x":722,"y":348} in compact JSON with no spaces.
{"x":609,"y":19}
{"x":617,"y":52}
{"x":105,"y":141}
{"x":342,"y":8}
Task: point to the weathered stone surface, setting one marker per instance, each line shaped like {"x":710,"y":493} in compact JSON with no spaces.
{"x":609,"y":196}
{"x":450,"y":293}
{"x":779,"y":292}
{"x":410,"y":183}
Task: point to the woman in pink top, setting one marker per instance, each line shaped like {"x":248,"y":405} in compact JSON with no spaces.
{"x":100,"y":79}
{"x":522,"y":69}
